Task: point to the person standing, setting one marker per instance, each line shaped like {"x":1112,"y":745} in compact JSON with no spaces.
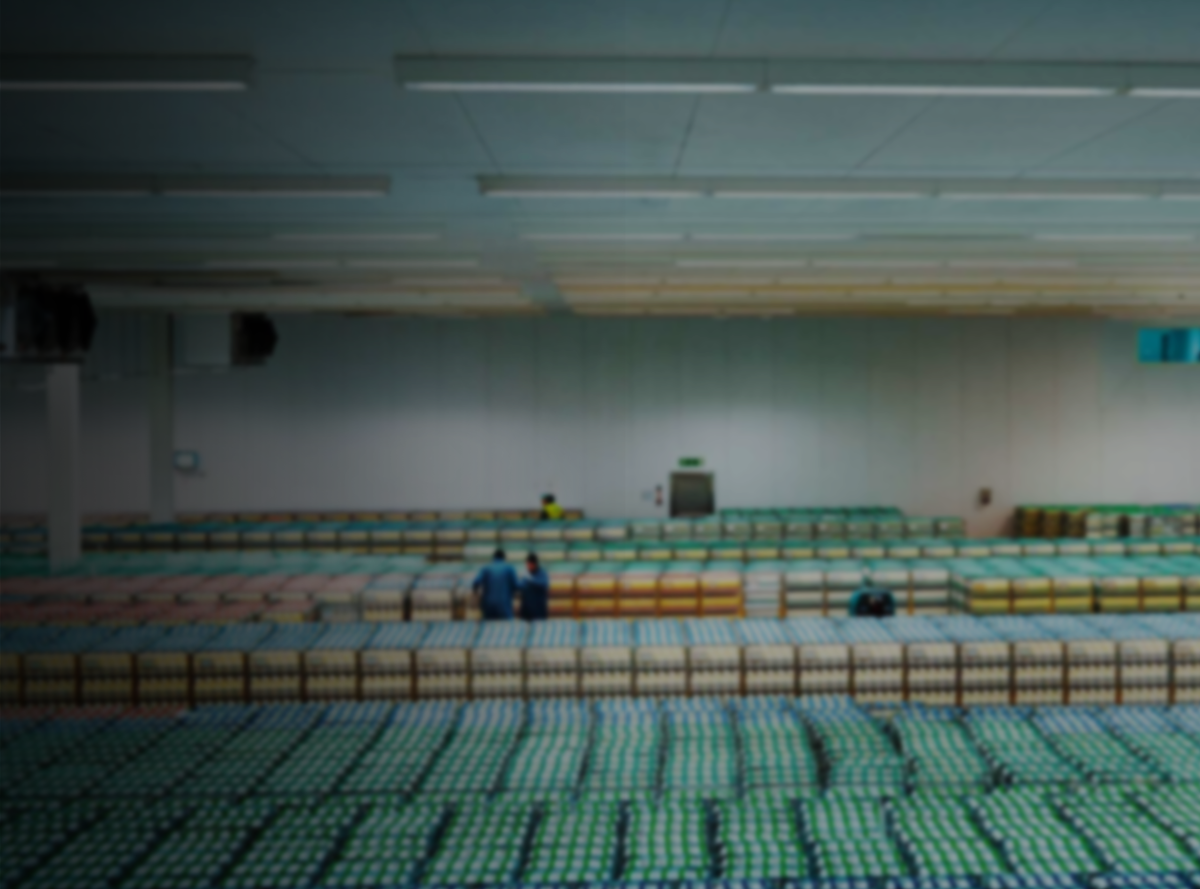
{"x":551,"y":511}
{"x":496,"y":585}
{"x":535,"y":591}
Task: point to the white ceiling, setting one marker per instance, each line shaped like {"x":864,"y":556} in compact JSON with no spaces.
{"x":324,"y":101}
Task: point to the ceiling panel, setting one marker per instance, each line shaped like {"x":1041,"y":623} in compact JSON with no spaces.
{"x":570,"y":27}
{"x":275,"y":32}
{"x":340,"y":119}
{"x":1003,"y":136}
{"x":156,"y":132}
{"x":873,"y":29}
{"x":28,"y":144}
{"x":596,"y":131}
{"x":1111,"y":31}
{"x":1165,"y":142}
{"x":777,"y":133}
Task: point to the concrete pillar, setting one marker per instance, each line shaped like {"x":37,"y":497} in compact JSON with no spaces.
{"x":161,"y":413}
{"x":62,"y":411}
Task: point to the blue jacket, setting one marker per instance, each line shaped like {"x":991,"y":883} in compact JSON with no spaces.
{"x":498,"y":583}
{"x":535,"y":596}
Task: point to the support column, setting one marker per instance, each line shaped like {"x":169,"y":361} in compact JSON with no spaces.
{"x":62,"y":412}
{"x":161,"y":413}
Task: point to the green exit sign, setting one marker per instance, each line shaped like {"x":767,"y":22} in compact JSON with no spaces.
{"x":691,"y":462}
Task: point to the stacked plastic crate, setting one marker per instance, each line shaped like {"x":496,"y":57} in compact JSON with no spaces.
{"x":108,"y":670}
{"x":1016,"y":752}
{"x":432,"y":597}
{"x":1033,"y":838}
{"x":939,"y":751}
{"x":804,"y":590}
{"x":768,"y":657}
{"x":220,"y":671}
{"x":931,"y":662}
{"x":775,"y":748}
{"x":276,"y":671}
{"x":937,"y":834}
{"x":576,"y":843}
{"x":1126,"y":838}
{"x":596,"y":591}
{"x":606,"y":658}
{"x":637,"y":590}
{"x":412,"y":736}
{"x":714,"y":657}
{"x":331,"y":663}
{"x":877,"y":659}
{"x":856,"y":756}
{"x":550,"y":756}
{"x":763,"y":585}
{"x":321,"y":760}
{"x":387,"y":661}
{"x":700,"y":757}
{"x":660,"y":658}
{"x":385,"y":598}
{"x":624,"y":763}
{"x":757,"y":838}
{"x":552,"y":659}
{"x":848,"y":838}
{"x":442,"y":660}
{"x":388,"y":846}
{"x":498,"y":660}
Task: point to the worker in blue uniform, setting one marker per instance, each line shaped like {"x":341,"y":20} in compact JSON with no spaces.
{"x":535,"y":590}
{"x":496,"y":585}
{"x":872,"y":602}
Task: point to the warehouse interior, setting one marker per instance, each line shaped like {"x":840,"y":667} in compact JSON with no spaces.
{"x":858,"y":342}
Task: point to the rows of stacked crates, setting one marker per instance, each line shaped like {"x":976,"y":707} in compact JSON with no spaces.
{"x":126,"y":590}
{"x":469,"y":537}
{"x":768,"y":792}
{"x":1006,"y":660}
{"x":1108,"y":521}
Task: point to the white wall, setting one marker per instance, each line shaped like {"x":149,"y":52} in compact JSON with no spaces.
{"x":371,"y":413}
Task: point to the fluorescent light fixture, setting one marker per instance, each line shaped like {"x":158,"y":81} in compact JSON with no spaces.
{"x":741,"y":263}
{"x":434,"y":86}
{"x":569,"y":237}
{"x":770,"y":238}
{"x":813,"y":195}
{"x":1012,"y":264}
{"x":306,"y":188}
{"x":1148,"y":92}
{"x":586,"y":194}
{"x":718,"y":281}
{"x":579,"y":76}
{"x":876,"y":264}
{"x":607,"y":281}
{"x":355,"y":237}
{"x":412,"y":263}
{"x":867,"y":89}
{"x":884,"y":78}
{"x":449,"y":282}
{"x":1113,"y":239}
{"x":270,"y":264}
{"x":1045,"y":196}
{"x":841,"y":189}
{"x":125,"y":74}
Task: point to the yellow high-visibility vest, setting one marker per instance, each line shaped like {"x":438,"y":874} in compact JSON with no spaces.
{"x":553,"y":512}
